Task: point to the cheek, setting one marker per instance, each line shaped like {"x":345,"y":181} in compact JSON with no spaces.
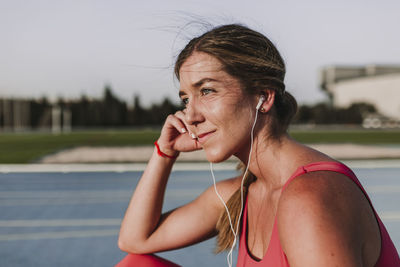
{"x":224,"y":109}
{"x":234,"y":125}
{"x":214,"y":111}
{"x":239,"y":127}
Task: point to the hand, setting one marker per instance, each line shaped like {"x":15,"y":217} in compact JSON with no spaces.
{"x":175,"y":136}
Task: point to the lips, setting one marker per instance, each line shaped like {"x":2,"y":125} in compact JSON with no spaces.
{"x":204,"y":136}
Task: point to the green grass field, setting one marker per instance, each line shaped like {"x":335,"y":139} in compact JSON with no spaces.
{"x":29,"y":147}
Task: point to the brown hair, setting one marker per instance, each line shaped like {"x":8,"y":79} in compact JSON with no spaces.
{"x":253,"y":59}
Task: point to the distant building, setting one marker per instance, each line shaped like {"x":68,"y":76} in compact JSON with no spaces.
{"x":24,"y":114}
{"x":14,"y":114}
{"x":375,"y":84}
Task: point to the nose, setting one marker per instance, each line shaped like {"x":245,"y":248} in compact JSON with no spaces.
{"x":193,"y":113}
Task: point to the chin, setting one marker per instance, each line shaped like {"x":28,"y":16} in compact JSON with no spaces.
{"x":217,"y":156}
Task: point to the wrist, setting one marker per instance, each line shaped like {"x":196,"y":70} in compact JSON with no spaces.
{"x":165,"y":153}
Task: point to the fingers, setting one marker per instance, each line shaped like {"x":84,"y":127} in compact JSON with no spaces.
{"x":175,"y":135}
{"x":176,"y":123}
{"x":174,"y":129}
{"x":181,"y":115}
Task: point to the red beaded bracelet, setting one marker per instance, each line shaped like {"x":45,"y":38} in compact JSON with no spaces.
{"x":159,"y":152}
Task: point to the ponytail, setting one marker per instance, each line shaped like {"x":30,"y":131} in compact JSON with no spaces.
{"x":225,"y":236}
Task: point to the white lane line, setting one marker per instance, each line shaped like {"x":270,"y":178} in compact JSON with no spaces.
{"x":373,"y":163}
{"x":54,"y":202}
{"x":179,"y":166}
{"x":386,"y":189}
{"x":64,"y":193}
{"x":32,"y":198}
{"x":61,"y":201}
{"x":390,"y":216}
{"x":88,"y":193}
{"x":60,"y":222}
{"x":59,"y":235}
{"x":108,"y":167}
{"x":66,"y":168}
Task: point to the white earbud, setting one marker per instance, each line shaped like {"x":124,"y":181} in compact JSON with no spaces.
{"x":262,"y":99}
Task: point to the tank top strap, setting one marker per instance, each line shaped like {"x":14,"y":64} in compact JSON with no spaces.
{"x":323,"y":166}
{"x":388,"y":255}
{"x":333,"y":166}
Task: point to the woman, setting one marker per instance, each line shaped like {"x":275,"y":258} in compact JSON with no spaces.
{"x":300,"y":207}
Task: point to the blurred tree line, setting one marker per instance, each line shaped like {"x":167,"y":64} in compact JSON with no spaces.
{"x":324,"y":113}
{"x":113,"y":112}
{"x":110,"y":111}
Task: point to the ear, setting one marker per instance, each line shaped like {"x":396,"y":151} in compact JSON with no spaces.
{"x":269,"y":100}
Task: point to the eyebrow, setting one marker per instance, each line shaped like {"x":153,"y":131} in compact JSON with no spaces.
{"x":202,"y":81}
{"x":198,"y":84}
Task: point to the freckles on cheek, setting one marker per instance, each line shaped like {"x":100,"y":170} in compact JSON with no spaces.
{"x":213,"y":111}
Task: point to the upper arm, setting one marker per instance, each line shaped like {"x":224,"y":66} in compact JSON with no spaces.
{"x":190,"y":223}
{"x":317,"y":225}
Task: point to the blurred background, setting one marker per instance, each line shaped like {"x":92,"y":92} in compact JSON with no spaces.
{"x":86,"y":85}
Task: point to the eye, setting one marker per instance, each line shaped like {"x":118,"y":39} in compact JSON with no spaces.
{"x":185,"y":101}
{"x":206,"y":91}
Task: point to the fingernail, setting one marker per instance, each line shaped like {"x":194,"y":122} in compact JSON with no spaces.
{"x":193,"y":136}
{"x":183,"y":130}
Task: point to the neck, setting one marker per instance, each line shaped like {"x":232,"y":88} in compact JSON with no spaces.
{"x":272,"y":161}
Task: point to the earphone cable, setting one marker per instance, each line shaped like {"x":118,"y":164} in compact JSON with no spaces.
{"x":229,"y":256}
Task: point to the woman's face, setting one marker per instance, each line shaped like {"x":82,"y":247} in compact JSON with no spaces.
{"x":217,"y":110}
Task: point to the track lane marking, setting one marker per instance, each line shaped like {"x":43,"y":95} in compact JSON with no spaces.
{"x":60,"y":222}
{"x":59,"y":235}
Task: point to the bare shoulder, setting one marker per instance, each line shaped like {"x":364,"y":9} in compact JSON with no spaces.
{"x":317,"y":196}
{"x":226,"y":188}
{"x":327,"y":213}
{"x":321,"y":189}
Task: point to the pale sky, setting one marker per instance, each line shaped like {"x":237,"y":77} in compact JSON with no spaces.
{"x":66,"y":48}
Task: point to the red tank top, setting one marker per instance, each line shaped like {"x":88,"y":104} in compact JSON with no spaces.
{"x":275,"y":256}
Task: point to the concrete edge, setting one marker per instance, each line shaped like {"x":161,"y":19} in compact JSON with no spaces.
{"x":179,"y":166}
